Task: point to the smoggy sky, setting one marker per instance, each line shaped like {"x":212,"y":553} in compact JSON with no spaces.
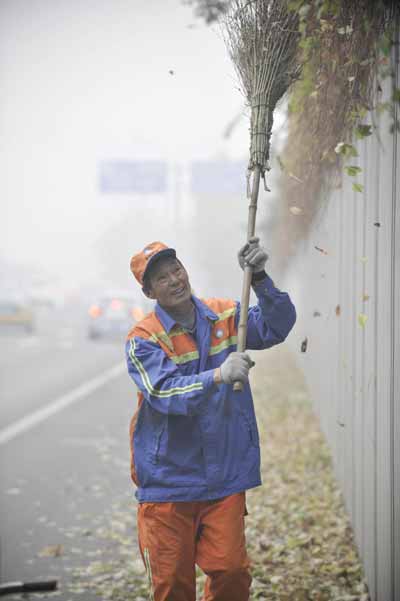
{"x":86,"y":80}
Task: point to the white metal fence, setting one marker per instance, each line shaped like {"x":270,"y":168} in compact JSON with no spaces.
{"x":348,"y":304}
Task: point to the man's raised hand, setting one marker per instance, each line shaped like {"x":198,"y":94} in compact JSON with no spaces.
{"x":253,"y":254}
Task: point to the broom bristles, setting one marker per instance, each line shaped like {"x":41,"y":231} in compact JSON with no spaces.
{"x":262,"y":37}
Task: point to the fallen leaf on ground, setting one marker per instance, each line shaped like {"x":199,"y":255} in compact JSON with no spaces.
{"x":51,"y":551}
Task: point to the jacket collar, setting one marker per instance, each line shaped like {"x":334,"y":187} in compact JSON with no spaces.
{"x":202,"y":310}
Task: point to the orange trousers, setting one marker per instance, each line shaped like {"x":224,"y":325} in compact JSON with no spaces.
{"x":174,"y":537}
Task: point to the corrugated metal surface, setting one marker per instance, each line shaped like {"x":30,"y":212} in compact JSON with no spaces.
{"x":354,"y":370}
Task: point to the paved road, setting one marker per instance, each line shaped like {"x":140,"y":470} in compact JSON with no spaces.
{"x":65,"y":473}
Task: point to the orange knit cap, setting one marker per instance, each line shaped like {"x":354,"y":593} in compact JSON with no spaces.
{"x":146,"y":257}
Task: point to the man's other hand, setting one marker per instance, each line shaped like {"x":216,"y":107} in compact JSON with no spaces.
{"x":236,"y":368}
{"x":253,"y":254}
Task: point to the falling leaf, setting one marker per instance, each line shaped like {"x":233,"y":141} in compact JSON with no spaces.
{"x":362,"y":131}
{"x":51,"y":551}
{"x":295,"y":210}
{"x":316,"y":314}
{"x":171,"y":72}
{"x":280,"y":163}
{"x":338,"y":310}
{"x":357,"y":187}
{"x":362,"y":319}
{"x":321,"y":250}
{"x":366,"y":297}
{"x":297,"y":179}
{"x":377,"y":224}
{"x":304,"y":345}
{"x":352,"y":170}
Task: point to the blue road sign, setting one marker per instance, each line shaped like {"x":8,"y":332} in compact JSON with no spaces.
{"x":218,"y":177}
{"x":132,"y":177}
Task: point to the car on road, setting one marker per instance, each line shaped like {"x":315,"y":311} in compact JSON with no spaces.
{"x":16,"y":312}
{"x":114,"y":314}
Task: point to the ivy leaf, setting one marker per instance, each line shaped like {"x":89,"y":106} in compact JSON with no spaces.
{"x":352,"y":170}
{"x":294,"y":5}
{"x":362,"y":131}
{"x":357,"y":187}
{"x":346,"y":150}
{"x":345,"y":30}
{"x":385,"y":44}
{"x":304,"y":10}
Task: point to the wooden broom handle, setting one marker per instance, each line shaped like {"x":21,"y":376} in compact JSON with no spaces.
{"x":248,"y":272}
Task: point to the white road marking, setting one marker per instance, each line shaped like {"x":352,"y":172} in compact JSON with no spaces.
{"x":36,"y":417}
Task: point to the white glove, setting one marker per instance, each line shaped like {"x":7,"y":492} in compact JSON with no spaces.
{"x":236,"y":368}
{"x":253,"y":254}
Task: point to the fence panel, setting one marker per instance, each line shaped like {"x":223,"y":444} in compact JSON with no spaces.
{"x":348,"y":304}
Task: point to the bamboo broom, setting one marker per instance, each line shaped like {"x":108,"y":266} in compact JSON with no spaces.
{"x":262,"y":40}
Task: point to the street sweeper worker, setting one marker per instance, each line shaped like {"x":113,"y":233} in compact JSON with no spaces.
{"x":194,"y":441}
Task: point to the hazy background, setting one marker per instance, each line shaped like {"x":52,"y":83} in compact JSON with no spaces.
{"x":89,"y":81}
{"x":89,"y":89}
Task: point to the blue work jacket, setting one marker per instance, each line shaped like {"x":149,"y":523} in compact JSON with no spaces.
{"x":191,"y":439}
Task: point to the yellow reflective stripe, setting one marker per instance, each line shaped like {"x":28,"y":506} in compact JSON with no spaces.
{"x":149,"y":573}
{"x":148,"y":385}
{"x":226,"y":314}
{"x":164,"y":338}
{"x":223,"y":345}
{"x":186,"y":357}
{"x":177,"y":332}
{"x":167,"y":338}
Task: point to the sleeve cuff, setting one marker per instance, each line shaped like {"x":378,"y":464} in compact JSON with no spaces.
{"x":207,"y":379}
{"x":264,"y":285}
{"x":258,"y":277}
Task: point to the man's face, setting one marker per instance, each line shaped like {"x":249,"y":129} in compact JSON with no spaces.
{"x":168,"y":283}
